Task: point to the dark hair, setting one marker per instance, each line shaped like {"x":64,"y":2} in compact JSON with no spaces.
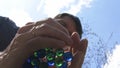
{"x":75,"y":19}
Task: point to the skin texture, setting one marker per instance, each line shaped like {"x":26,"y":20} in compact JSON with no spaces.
{"x":44,"y":34}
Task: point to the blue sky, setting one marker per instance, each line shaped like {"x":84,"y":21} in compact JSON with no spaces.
{"x":102,"y":16}
{"x":104,"y":19}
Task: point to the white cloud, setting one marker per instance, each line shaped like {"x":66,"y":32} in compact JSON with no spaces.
{"x":76,"y":8}
{"x":40,"y":5}
{"x":46,"y":8}
{"x":20,"y":17}
{"x":114,"y":59}
{"x":53,"y":7}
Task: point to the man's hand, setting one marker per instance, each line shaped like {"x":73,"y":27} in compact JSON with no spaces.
{"x":43,"y":34}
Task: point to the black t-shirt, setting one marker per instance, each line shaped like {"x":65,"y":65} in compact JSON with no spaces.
{"x":8,"y":30}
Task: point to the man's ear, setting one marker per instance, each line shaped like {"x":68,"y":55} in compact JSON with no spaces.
{"x":84,"y":44}
{"x":78,"y":44}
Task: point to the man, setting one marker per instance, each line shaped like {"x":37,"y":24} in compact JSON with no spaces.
{"x":42,"y":34}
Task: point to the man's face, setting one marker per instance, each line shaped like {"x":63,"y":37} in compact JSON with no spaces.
{"x":68,"y":23}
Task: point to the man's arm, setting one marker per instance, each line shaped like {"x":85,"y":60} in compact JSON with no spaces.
{"x":31,"y":38}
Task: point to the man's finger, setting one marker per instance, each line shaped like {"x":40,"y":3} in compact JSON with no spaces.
{"x":44,"y":42}
{"x":53,"y":23}
{"x":47,"y":30}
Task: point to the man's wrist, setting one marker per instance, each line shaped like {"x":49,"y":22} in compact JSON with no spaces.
{"x":11,"y":59}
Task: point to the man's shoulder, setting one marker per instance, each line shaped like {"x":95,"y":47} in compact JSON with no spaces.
{"x":4,"y":20}
{"x":7,"y":21}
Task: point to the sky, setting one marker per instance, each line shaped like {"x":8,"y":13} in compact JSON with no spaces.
{"x":101,"y":16}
